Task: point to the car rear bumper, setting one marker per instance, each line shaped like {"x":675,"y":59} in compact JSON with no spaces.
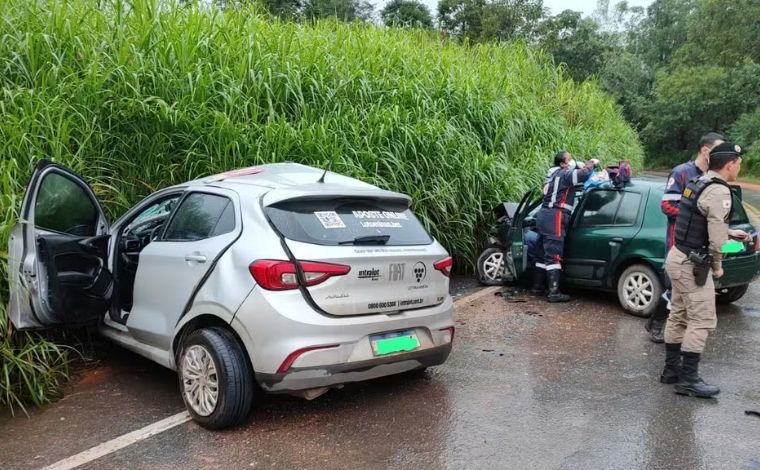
{"x":283,"y":336}
{"x":304,"y":378}
{"x":739,"y":270}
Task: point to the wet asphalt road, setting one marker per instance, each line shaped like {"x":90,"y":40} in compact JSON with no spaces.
{"x":528,"y":385}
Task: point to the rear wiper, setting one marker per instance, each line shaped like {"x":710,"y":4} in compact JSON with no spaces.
{"x":367,"y":240}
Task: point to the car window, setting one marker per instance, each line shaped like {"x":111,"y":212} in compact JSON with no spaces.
{"x":226,"y":222}
{"x":201,"y":216}
{"x":64,"y":206}
{"x":610,"y":207}
{"x":157,"y":210}
{"x":600,"y":207}
{"x":738,"y":214}
{"x":343,"y":221}
{"x":628,"y":209}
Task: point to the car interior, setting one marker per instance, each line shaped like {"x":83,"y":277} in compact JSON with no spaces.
{"x":138,"y":233}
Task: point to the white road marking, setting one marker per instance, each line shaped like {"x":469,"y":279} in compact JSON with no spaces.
{"x":120,"y":442}
{"x":158,"y":427}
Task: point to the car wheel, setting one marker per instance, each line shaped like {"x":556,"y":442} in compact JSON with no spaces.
{"x":639,"y":290}
{"x":215,"y":379}
{"x":732,"y":294}
{"x":491,"y":267}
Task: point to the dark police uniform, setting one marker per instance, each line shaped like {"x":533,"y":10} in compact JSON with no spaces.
{"x":551,"y":222}
{"x":669,"y":204}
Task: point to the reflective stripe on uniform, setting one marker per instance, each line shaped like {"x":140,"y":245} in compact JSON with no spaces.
{"x":553,"y":267}
{"x":554,"y":192}
{"x":575,"y":177}
{"x":540,"y":265}
{"x":567,"y":207}
{"x":671,"y":197}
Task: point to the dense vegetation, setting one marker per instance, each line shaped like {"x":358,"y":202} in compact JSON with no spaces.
{"x":679,"y":68}
{"x":139,"y":96}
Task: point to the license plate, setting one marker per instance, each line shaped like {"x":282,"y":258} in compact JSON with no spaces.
{"x":389,"y":343}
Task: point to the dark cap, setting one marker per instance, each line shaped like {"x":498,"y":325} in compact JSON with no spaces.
{"x":726,"y":149}
{"x":723,"y":154}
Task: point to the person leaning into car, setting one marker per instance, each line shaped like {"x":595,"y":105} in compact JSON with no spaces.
{"x":551,"y":222}
{"x":701,"y":230}
{"x":677,"y":181}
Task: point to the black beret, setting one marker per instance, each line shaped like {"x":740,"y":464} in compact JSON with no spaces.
{"x":726,"y":149}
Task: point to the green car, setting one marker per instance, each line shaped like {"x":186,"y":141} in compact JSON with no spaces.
{"x":615,"y":243}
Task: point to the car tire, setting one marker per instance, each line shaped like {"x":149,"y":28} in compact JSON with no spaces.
{"x":215,"y":378}
{"x":489,"y":274}
{"x":639,"y":290}
{"x":732,"y":294}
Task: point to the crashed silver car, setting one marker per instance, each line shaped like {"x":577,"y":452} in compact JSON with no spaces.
{"x":281,"y":278}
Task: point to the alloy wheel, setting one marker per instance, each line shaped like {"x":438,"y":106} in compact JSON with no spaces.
{"x":200,"y":380}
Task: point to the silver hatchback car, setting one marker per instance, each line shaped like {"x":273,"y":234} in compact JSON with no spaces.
{"x":281,"y":278}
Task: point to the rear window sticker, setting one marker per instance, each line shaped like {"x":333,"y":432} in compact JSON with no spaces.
{"x":380,"y":215}
{"x":330,"y":219}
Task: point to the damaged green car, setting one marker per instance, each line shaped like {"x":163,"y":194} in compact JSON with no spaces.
{"x":615,"y":243}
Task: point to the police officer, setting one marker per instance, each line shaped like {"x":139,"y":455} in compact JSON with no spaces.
{"x":677,"y":181}
{"x":551,"y":221}
{"x":701,"y":229}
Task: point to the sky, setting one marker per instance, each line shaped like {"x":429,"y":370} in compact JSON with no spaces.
{"x":555,"y":6}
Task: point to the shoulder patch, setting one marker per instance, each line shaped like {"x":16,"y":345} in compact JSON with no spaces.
{"x":671,"y":182}
{"x":687,"y":192}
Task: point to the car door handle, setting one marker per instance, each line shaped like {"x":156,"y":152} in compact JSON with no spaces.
{"x":198,"y":258}
{"x":616,"y":240}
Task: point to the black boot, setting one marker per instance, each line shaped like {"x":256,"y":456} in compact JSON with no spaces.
{"x":656,"y":323}
{"x":539,"y":282}
{"x":672,"y":363}
{"x":689,"y":382}
{"x":656,"y":329}
{"x":552,"y":278}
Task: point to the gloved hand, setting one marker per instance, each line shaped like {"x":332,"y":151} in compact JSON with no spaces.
{"x":592,"y":163}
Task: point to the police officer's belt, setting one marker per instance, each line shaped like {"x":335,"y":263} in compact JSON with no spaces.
{"x":687,"y":251}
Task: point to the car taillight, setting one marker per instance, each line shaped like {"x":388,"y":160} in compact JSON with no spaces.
{"x":272,"y":274}
{"x":444,"y":265}
{"x":757,"y":242}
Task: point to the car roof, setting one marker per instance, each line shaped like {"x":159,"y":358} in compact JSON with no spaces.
{"x":282,"y":181}
{"x":642,"y":184}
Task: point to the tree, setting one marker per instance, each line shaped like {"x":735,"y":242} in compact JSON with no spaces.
{"x":628,"y":78}
{"x":490,"y":20}
{"x":726,"y":32}
{"x":344,"y":10}
{"x":506,"y":20}
{"x":406,"y":13}
{"x":283,"y":8}
{"x":461,"y":18}
{"x":577,"y":42}
{"x":664,"y":30}
{"x":619,"y":19}
{"x":692,"y":100}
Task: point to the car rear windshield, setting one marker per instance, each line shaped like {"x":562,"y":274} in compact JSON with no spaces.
{"x":348,"y":222}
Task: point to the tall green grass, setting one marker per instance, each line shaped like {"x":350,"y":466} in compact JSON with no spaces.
{"x":142,"y":94}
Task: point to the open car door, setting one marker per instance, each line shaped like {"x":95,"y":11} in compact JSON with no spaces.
{"x":516,"y":251}
{"x":58,"y":253}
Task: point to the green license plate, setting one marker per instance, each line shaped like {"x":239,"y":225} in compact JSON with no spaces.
{"x":390,"y":343}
